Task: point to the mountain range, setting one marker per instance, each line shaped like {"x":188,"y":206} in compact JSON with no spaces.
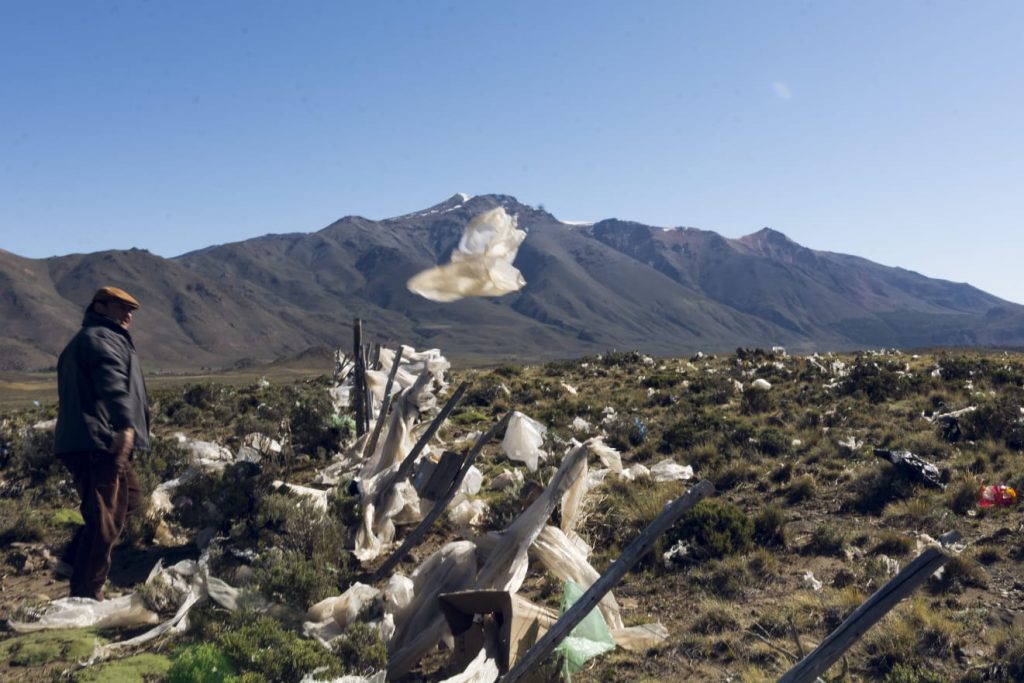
{"x":612,"y":284}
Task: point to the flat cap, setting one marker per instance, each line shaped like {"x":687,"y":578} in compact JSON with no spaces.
{"x":109,"y":293}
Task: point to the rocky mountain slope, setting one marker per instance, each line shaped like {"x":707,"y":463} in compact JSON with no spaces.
{"x":612,"y":284}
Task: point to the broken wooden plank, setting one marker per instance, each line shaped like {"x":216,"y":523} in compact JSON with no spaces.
{"x":371,"y":445}
{"x":865,"y":616}
{"x":421,"y":529}
{"x":640,"y":546}
{"x":442,"y":475}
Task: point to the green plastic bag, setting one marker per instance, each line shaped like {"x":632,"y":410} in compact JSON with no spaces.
{"x":589,"y":639}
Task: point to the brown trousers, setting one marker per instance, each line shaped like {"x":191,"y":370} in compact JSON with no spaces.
{"x":108,"y":497}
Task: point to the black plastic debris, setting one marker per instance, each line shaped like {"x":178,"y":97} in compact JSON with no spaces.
{"x":913,"y":467}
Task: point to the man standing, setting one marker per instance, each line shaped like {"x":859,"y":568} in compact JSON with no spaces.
{"x":102,"y":419}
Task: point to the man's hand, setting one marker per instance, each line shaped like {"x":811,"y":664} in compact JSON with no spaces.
{"x":122,"y":446}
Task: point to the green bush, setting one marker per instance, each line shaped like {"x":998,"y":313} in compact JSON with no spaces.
{"x":361,"y":649}
{"x":264,"y":651}
{"x":200,"y":663}
{"x":770,"y":527}
{"x":827,"y":539}
{"x":715,"y":529}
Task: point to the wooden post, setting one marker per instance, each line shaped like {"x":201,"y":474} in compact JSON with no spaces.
{"x":384,"y":406}
{"x":640,"y":546}
{"x":359,"y":380}
{"x":865,"y":616}
{"x":421,"y":529}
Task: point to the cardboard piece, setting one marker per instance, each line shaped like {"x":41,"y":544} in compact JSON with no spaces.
{"x":519,"y":623}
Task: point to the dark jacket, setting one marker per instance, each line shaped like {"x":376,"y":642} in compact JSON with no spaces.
{"x":101,"y":389}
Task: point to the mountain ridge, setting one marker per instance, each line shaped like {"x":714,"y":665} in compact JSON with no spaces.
{"x":590,"y":287}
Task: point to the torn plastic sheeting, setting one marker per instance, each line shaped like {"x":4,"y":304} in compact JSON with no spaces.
{"x":572,"y":499}
{"x":398,"y":593}
{"x":505,"y":479}
{"x":480,"y":266}
{"x":468,"y":513}
{"x":317,"y":496}
{"x":610,"y":457}
{"x":666,"y":470}
{"x":636,"y":471}
{"x":580,"y":425}
{"x":378,"y":677}
{"x":482,"y":669}
{"x":397,"y":442}
{"x":563,"y":558}
{"x":523,"y":439}
{"x":589,"y":639}
{"x":506,"y":566}
{"x":124,"y":611}
{"x":420,"y":625}
{"x":399,"y":505}
{"x":348,"y":605}
{"x":640,"y":638}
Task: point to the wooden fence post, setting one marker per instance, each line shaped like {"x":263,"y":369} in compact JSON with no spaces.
{"x":359,"y":379}
{"x":865,"y":616}
{"x":588,"y":601}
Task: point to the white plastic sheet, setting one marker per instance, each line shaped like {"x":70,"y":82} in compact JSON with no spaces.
{"x":523,"y":439}
{"x":666,"y":470}
{"x":563,"y":558}
{"x":124,"y":611}
{"x":421,"y":625}
{"x":480,"y":266}
{"x":507,"y":564}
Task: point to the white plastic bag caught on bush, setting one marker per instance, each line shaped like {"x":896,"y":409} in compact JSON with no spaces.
{"x":523,"y":438}
{"x":480,"y":266}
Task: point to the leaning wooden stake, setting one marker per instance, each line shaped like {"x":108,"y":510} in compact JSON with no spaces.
{"x":421,"y":529}
{"x":865,"y":616}
{"x":385,"y":405}
{"x":640,"y":546}
{"x":357,"y":390}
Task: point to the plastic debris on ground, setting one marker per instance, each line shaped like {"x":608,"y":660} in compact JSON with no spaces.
{"x":590,"y":638}
{"x":523,"y":439}
{"x":811,"y":582}
{"x":913,"y":467}
{"x":481,"y":265}
{"x":666,"y":470}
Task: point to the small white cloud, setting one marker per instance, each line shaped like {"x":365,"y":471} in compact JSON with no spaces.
{"x":782,"y":90}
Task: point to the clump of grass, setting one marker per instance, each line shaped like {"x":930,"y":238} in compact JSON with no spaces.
{"x":827,"y":539}
{"x":763,"y":564}
{"x":727,"y":579}
{"x":715,"y":529}
{"x":957,"y":574}
{"x":800,"y":490}
{"x":770,"y":527}
{"x":893,"y":543}
{"x":714,"y":617}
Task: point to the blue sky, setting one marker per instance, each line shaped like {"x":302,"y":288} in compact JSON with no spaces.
{"x":889,"y":130}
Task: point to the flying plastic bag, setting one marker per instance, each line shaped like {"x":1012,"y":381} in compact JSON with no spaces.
{"x":589,"y":639}
{"x":480,"y":266}
{"x":523,"y":438}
